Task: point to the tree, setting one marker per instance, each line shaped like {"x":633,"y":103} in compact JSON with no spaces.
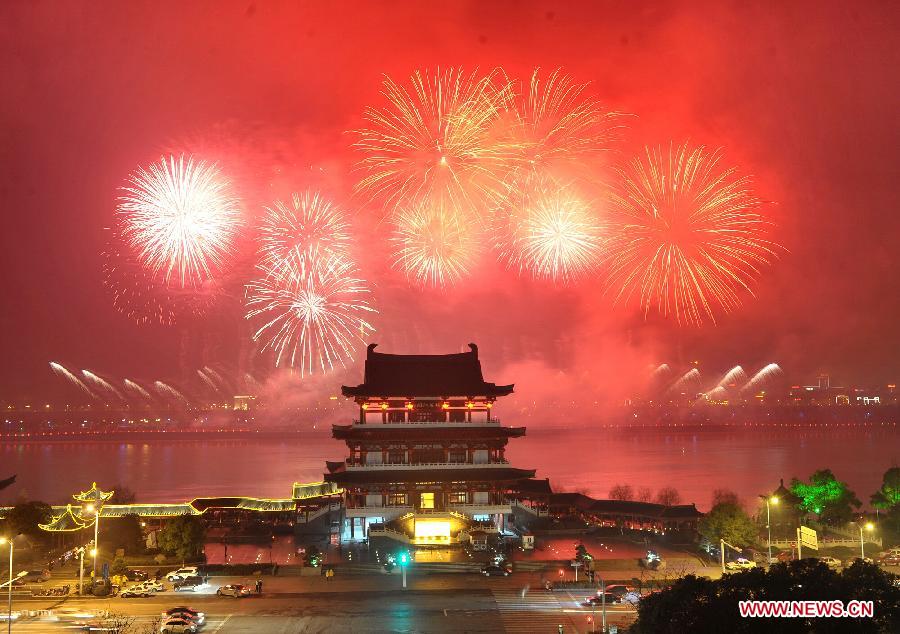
{"x":621,"y":492}
{"x":123,"y":532}
{"x":729,"y":522}
{"x":696,"y":604}
{"x":887,"y":498}
{"x":24,"y":517}
{"x":826,"y":496}
{"x":183,"y":536}
{"x":122,"y":495}
{"x":721,"y":496}
{"x":668,"y":496}
{"x":644,"y":494}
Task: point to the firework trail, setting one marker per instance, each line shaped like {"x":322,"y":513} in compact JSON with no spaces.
{"x":180,"y":218}
{"x":550,"y":233}
{"x":138,"y":389}
{"x":768,"y":372}
{"x":168,"y":391}
{"x":661,"y":369}
{"x":311,"y":322}
{"x":432,"y":139}
{"x":432,"y":246}
{"x":224,"y":385}
{"x":63,"y":372}
{"x":308,"y":229}
{"x":106,"y":385}
{"x":732,"y":377}
{"x":209,"y":382}
{"x":685,"y":234}
{"x":558,"y":125}
{"x":691,"y":376}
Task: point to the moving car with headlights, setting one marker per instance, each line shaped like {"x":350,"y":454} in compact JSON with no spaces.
{"x":178,"y":626}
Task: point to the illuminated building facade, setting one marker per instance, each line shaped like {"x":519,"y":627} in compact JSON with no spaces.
{"x":427,"y":456}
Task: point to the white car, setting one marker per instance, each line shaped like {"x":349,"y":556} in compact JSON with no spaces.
{"x":178,"y":626}
{"x":181,"y":573}
{"x":831,"y":562}
{"x":740,"y":564}
{"x":153,"y":585}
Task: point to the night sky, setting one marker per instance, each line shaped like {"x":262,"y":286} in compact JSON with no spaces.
{"x":802,"y":95}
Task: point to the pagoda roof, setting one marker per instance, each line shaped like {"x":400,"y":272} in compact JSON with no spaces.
{"x":411,"y":432}
{"x":93,"y":495}
{"x":420,"y":375}
{"x":68,"y":521}
{"x":381,"y":476}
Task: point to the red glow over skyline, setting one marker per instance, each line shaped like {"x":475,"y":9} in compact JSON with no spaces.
{"x":267,"y":94}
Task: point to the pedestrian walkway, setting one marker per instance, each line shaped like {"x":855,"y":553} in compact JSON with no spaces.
{"x":536,"y":612}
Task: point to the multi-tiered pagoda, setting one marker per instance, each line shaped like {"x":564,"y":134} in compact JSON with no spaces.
{"x":426,"y":454}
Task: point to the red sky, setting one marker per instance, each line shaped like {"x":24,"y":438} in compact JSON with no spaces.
{"x":803,"y":95}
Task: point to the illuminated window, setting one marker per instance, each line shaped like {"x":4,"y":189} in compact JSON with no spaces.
{"x":427,"y":501}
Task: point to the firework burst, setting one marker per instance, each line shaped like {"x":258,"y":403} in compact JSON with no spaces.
{"x":432,"y":139}
{"x":685,"y":234}
{"x":558,"y":124}
{"x":433,"y":246}
{"x":180,"y":218}
{"x":550,"y":233}
{"x":311,"y":322}
{"x":304,"y":231}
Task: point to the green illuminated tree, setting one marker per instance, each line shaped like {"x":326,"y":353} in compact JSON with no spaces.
{"x":728,"y":521}
{"x":826,"y":496}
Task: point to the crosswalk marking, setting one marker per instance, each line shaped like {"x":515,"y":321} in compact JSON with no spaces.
{"x":535,"y":612}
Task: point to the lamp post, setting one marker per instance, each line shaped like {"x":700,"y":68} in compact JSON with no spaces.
{"x":869,"y":526}
{"x":8,"y":540}
{"x":92,"y":509}
{"x":774,"y":500}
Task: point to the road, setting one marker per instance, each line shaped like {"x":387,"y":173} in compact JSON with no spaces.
{"x":375,"y":603}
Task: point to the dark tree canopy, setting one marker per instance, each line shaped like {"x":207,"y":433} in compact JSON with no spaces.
{"x":183,"y":537}
{"x":728,"y":521}
{"x":696,"y":604}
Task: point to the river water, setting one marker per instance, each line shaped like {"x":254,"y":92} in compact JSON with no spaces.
{"x":748,"y":460}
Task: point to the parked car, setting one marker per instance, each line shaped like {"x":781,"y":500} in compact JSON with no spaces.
{"x":136,"y":575}
{"x":740,"y":564}
{"x":136,"y":591}
{"x":35,"y":576}
{"x":181,"y":573}
{"x":153,"y":585}
{"x":182,"y":610}
{"x":189,"y":583}
{"x":233,"y":590}
{"x":178,"y":626}
{"x":831,"y":562}
{"x":492,"y":570}
{"x":598,"y":599}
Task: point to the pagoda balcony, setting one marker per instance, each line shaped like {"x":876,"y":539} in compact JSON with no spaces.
{"x":430,"y":423}
{"x":360,"y":466}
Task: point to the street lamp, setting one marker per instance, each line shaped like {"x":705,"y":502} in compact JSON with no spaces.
{"x":8,"y":540}
{"x":869,"y":526}
{"x":773,"y":500}
{"x":90,"y":509}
